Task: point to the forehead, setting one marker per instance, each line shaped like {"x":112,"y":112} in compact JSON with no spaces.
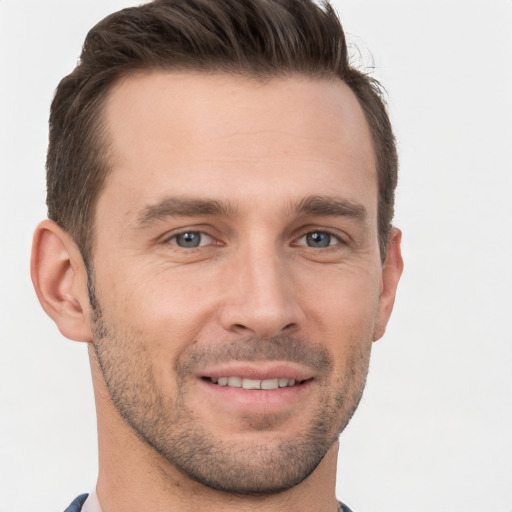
{"x":231,"y":136}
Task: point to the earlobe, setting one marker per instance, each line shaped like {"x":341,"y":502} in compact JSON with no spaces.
{"x":60,"y":280}
{"x":391,"y":272}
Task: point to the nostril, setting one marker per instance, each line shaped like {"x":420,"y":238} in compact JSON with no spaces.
{"x":242,"y":327}
{"x":289,"y":327}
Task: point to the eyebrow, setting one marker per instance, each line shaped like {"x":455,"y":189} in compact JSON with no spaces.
{"x":184,"y":207}
{"x":326,"y":206}
{"x":193,"y":207}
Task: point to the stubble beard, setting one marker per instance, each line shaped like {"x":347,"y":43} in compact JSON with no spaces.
{"x":255,"y":467}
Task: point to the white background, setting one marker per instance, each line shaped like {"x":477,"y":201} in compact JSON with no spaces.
{"x":434,"y":430}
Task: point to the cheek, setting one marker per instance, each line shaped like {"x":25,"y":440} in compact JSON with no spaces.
{"x":343,"y":302}
{"x":342,"y":315}
{"x":166,"y":309}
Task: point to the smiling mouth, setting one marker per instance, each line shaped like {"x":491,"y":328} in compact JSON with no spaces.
{"x":245,"y":383}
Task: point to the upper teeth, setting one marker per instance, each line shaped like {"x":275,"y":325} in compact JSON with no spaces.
{"x":242,"y":382}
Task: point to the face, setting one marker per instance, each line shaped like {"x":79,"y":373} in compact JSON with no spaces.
{"x":237,"y":273}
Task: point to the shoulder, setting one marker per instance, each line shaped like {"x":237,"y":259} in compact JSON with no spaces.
{"x":343,"y":508}
{"x":77,"y":504}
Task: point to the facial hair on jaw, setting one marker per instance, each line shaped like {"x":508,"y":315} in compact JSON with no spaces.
{"x":175,"y":432}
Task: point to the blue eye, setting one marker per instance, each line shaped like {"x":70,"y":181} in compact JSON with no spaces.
{"x":318,"y":239}
{"x":190,"y":239}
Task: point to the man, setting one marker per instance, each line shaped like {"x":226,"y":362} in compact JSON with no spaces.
{"x":220,"y":194}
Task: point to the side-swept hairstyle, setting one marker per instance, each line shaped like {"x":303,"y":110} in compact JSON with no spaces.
{"x":255,"y":38}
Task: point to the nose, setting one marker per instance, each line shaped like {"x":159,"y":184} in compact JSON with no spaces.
{"x":260,"y":296}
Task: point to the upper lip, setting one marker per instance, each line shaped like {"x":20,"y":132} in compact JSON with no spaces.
{"x":259,"y":371}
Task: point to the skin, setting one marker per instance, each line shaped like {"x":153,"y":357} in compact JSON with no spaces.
{"x":291,"y":162}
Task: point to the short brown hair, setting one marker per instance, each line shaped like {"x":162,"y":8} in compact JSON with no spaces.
{"x":258,"y":38}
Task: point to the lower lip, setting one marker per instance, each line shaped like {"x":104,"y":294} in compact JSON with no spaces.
{"x":254,"y":401}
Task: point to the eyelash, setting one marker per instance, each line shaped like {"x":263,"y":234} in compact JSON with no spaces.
{"x":337,"y":237}
{"x":203,"y":234}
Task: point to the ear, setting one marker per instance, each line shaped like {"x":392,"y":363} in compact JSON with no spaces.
{"x":60,"y":280}
{"x":391,"y":272}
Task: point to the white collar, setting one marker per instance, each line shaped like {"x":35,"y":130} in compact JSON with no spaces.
{"x":91,"y":503}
